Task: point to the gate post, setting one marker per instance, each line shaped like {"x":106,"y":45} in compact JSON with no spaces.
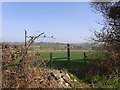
{"x":85,"y":57}
{"x":51,"y":56}
{"x":68,"y":52}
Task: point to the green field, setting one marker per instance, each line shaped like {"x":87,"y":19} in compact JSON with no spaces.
{"x":74,"y":54}
{"x":85,"y":72}
{"x":76,"y":66}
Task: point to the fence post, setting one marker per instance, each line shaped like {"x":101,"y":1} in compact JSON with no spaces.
{"x":25,"y":42}
{"x":68,"y":52}
{"x":25,"y":38}
{"x":51,"y":56}
{"x":84,"y":57}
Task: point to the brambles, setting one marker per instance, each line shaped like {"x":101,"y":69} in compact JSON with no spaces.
{"x":21,"y":69}
{"x":31,"y":72}
{"x":109,"y":35}
{"x":17,"y":68}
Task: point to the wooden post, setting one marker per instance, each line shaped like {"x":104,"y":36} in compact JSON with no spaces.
{"x":25,"y":38}
{"x":25,"y":42}
{"x":68,"y":52}
{"x":85,"y":57}
{"x":51,"y":56}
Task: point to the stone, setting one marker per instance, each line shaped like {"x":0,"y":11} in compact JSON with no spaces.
{"x":68,"y":76}
{"x":57,"y":74}
{"x":62,"y":78}
{"x":66,"y":84}
{"x":60,"y":81}
{"x":75,"y":80}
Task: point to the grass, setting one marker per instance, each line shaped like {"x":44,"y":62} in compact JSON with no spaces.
{"x":75,"y":54}
{"x":76,"y":66}
{"x":79,"y":69}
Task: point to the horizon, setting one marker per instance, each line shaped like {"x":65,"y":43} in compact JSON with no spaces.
{"x":55,"y":42}
{"x":68,"y":22}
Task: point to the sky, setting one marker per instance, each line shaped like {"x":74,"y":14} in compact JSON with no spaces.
{"x":68,"y":22}
{"x":0,"y":21}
